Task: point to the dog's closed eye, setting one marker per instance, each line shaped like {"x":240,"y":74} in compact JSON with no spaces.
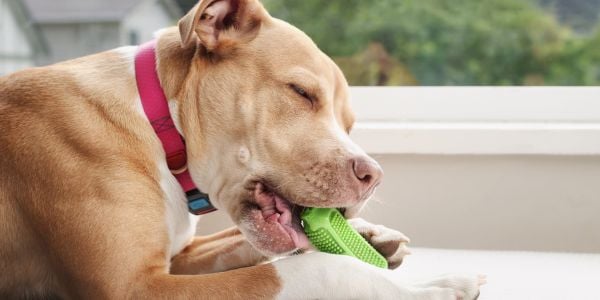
{"x":302,"y":92}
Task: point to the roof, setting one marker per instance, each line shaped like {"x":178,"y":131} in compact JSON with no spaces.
{"x":86,"y":11}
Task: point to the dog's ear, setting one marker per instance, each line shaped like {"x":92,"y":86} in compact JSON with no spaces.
{"x":219,"y":23}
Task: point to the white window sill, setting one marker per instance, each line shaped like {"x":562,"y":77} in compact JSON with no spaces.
{"x":478,"y":120}
{"x":478,"y":138}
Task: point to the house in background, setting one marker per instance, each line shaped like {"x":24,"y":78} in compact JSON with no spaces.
{"x":74,"y":28}
{"x":20,"y":40}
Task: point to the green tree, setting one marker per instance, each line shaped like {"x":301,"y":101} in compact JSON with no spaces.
{"x":460,"y":42}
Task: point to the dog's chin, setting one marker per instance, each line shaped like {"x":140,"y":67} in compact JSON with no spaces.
{"x":272,"y":223}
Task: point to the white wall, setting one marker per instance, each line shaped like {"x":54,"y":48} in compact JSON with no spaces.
{"x":515,"y":202}
{"x":15,"y":50}
{"x":145,"y":19}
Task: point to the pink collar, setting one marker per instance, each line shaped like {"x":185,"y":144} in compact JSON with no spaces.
{"x":156,"y":108}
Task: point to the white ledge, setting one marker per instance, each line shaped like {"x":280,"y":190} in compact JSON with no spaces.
{"x":478,"y":138}
{"x":477,"y":120}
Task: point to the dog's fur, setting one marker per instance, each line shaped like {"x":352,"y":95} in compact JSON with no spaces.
{"x":89,"y":208}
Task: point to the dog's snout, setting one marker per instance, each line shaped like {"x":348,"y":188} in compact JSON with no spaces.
{"x":367,"y":172}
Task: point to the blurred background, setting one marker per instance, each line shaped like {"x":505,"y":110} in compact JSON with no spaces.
{"x":384,"y":42}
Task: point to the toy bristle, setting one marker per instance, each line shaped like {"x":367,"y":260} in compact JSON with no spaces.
{"x":329,"y":232}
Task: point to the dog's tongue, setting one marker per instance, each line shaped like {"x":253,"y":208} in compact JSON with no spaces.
{"x":276,"y":210}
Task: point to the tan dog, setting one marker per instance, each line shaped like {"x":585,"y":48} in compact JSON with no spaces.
{"x":89,"y":209}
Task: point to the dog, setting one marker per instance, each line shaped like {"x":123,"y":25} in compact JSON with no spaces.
{"x":90,"y":208}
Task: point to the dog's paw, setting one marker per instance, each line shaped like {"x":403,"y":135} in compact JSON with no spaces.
{"x":390,"y":243}
{"x":464,"y":287}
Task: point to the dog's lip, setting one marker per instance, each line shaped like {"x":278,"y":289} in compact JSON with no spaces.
{"x":277,"y":217}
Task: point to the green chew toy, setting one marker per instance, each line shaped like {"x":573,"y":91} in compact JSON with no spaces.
{"x":329,"y":232}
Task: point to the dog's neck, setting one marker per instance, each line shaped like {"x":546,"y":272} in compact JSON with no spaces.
{"x":175,"y":69}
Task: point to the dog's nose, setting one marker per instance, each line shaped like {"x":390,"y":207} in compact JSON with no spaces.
{"x":367,"y":171}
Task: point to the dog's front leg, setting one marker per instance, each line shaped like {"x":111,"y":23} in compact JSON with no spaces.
{"x":309,"y":276}
{"x":222,"y":251}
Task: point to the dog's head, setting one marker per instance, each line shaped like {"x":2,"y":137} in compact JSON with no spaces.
{"x":266,"y":118}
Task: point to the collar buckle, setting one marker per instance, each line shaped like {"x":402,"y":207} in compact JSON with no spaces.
{"x":199,"y":202}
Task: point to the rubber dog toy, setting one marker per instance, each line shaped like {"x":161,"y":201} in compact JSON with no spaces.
{"x":328,"y":231}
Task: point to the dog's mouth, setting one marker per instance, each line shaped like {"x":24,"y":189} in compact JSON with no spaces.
{"x":274,"y":222}
{"x":271,"y":221}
